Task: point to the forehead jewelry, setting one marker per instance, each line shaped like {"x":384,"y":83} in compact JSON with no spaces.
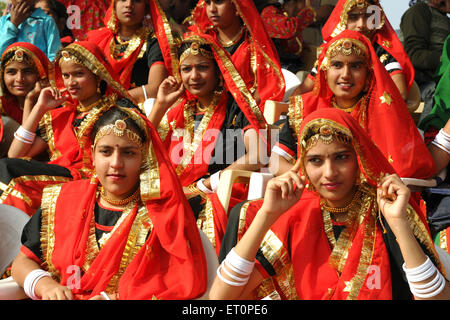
{"x":345,"y":47}
{"x":119,"y":129}
{"x":195,"y":50}
{"x":66,"y":56}
{"x":327,"y":135}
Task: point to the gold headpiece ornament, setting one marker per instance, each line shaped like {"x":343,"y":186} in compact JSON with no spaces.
{"x":324,"y":133}
{"x":195,"y":50}
{"x":20,"y":56}
{"x":66,"y":56}
{"x":346,"y":46}
{"x":119,"y":129}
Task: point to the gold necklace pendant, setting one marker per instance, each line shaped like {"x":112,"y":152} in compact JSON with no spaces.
{"x":136,"y":194}
{"x":356,"y":196}
{"x":233,"y":41}
{"x":83,"y":109}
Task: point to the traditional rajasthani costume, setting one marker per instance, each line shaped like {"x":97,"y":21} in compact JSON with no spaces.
{"x":203,"y":143}
{"x":131,"y":60}
{"x":253,"y":53}
{"x":29,"y":53}
{"x":439,"y":205}
{"x":150,"y":250}
{"x":381,"y":111}
{"x":385,"y":41}
{"x":22,"y":180}
{"x":307,"y":255}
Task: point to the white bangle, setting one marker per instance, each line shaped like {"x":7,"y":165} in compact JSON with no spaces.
{"x":214,"y":180}
{"x":202,"y":187}
{"x":22,"y":139}
{"x":444,"y":134}
{"x":242,"y":265}
{"x":231,"y":283}
{"x":105,"y":295}
{"x":421,"y":273}
{"x":24,"y":135}
{"x":441,"y":141}
{"x":31,"y":280}
{"x":145,"y":92}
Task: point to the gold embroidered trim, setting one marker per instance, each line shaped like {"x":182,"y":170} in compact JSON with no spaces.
{"x":205,"y":221}
{"x":443,"y":240}
{"x":133,"y":44}
{"x":191,"y":138}
{"x":48,"y":204}
{"x":295,"y":113}
{"x":9,"y":190}
{"x":278,"y":256}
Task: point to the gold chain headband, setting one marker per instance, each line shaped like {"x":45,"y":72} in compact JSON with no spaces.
{"x":66,"y":56}
{"x":327,"y":135}
{"x":346,"y":46}
{"x":119,"y":129}
{"x":195,"y":50}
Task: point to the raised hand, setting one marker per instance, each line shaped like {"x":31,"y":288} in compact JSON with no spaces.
{"x":283,"y":192}
{"x":392,"y":197}
{"x":20,"y":11}
{"x":50,"y":98}
{"x":169,"y":92}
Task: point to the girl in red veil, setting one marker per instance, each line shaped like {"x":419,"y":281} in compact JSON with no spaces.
{"x":249,"y":45}
{"x":368,"y":17}
{"x":138,"y":44}
{"x":53,"y":126}
{"x":206,"y":122}
{"x":339,"y":225}
{"x":130,"y":234}
{"x":22,"y":66}
{"x":377,"y":106}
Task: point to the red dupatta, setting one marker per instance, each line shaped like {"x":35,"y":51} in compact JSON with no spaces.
{"x":386,"y":36}
{"x":63,"y":141}
{"x":181,"y":117}
{"x":170,"y":264}
{"x":358,"y":267}
{"x":383,"y":113}
{"x":9,"y":104}
{"x":256,"y":59}
{"x":104,"y":38}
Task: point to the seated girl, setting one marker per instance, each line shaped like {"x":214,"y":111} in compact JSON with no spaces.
{"x":360,"y":16}
{"x":339,"y":225}
{"x":53,"y":126}
{"x":130,"y":234}
{"x":134,"y":45}
{"x":213,"y":123}
{"x":24,"y":70}
{"x":237,"y":26}
{"x":350,"y":77}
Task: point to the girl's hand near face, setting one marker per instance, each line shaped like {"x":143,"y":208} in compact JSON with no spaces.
{"x":49,"y":99}
{"x":392,"y":197}
{"x":169,"y":92}
{"x":283,"y":192}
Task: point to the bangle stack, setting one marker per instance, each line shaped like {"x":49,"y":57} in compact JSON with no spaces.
{"x":241,"y":267}
{"x":30,"y":282}
{"x":25,"y":136}
{"x":442,"y":141}
{"x":421,"y":273}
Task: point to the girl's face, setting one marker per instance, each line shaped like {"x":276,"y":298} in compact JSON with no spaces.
{"x":130,"y":12}
{"x":80,"y":82}
{"x":358,"y":21}
{"x":221,"y":13}
{"x":117,"y":162}
{"x":199,"y":75}
{"x":346,"y":78}
{"x":333,"y":170}
{"x":20,"y":78}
